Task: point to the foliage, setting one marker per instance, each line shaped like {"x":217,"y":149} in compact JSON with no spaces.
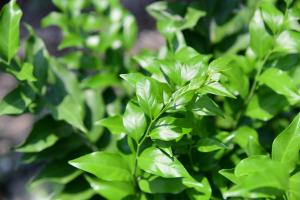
{"x":205,"y":117}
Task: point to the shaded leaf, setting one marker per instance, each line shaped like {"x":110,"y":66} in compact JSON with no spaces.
{"x":17,"y":101}
{"x":45,"y":133}
{"x":113,"y":190}
{"x":210,"y":144}
{"x":157,"y":185}
{"x":274,"y":78}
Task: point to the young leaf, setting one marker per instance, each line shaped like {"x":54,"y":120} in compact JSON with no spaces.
{"x":286,"y":145}
{"x":134,"y":121}
{"x":10,"y":16}
{"x":260,"y":40}
{"x":149,"y":96}
{"x":155,"y":161}
{"x":104,"y":165}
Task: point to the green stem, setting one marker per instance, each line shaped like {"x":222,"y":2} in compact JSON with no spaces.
{"x":139,"y":144}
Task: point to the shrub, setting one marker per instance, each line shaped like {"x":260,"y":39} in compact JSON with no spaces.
{"x":211,"y":115}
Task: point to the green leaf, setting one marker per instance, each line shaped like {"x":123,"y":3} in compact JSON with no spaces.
{"x":73,"y":6}
{"x":104,"y":165}
{"x":26,"y":73}
{"x":45,"y":133}
{"x":55,"y":19}
{"x":95,"y":104}
{"x":134,"y":121}
{"x":265,"y":104}
{"x":217,"y":89}
{"x":155,"y":161}
{"x":272,"y":16}
{"x":210,"y":144}
{"x":202,"y":189}
{"x":129,"y":31}
{"x":182,"y":98}
{"x":294,"y":185}
{"x":71,"y":40}
{"x":10,"y":16}
{"x":114,"y":124}
{"x":37,"y":55}
{"x":260,"y":40}
{"x":76,"y":189}
{"x":232,"y":69}
{"x":62,"y":174}
{"x":204,"y":106}
{"x":274,"y":78}
{"x":168,"y":128}
{"x":288,"y":42}
{"x":247,"y":139}
{"x":113,"y":190}
{"x":100,"y":81}
{"x":70,"y":111}
{"x":158,"y":185}
{"x":17,"y":101}
{"x":191,"y":17}
{"x":132,"y":78}
{"x":229,"y":174}
{"x":256,"y":173}
{"x":181,"y":70}
{"x":288,"y":2}
{"x":286,"y":145}
{"x":149,"y":95}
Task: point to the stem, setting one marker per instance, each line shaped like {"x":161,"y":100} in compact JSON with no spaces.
{"x":139,"y":144}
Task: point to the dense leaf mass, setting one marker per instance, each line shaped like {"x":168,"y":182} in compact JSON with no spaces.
{"x":213,"y":114}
